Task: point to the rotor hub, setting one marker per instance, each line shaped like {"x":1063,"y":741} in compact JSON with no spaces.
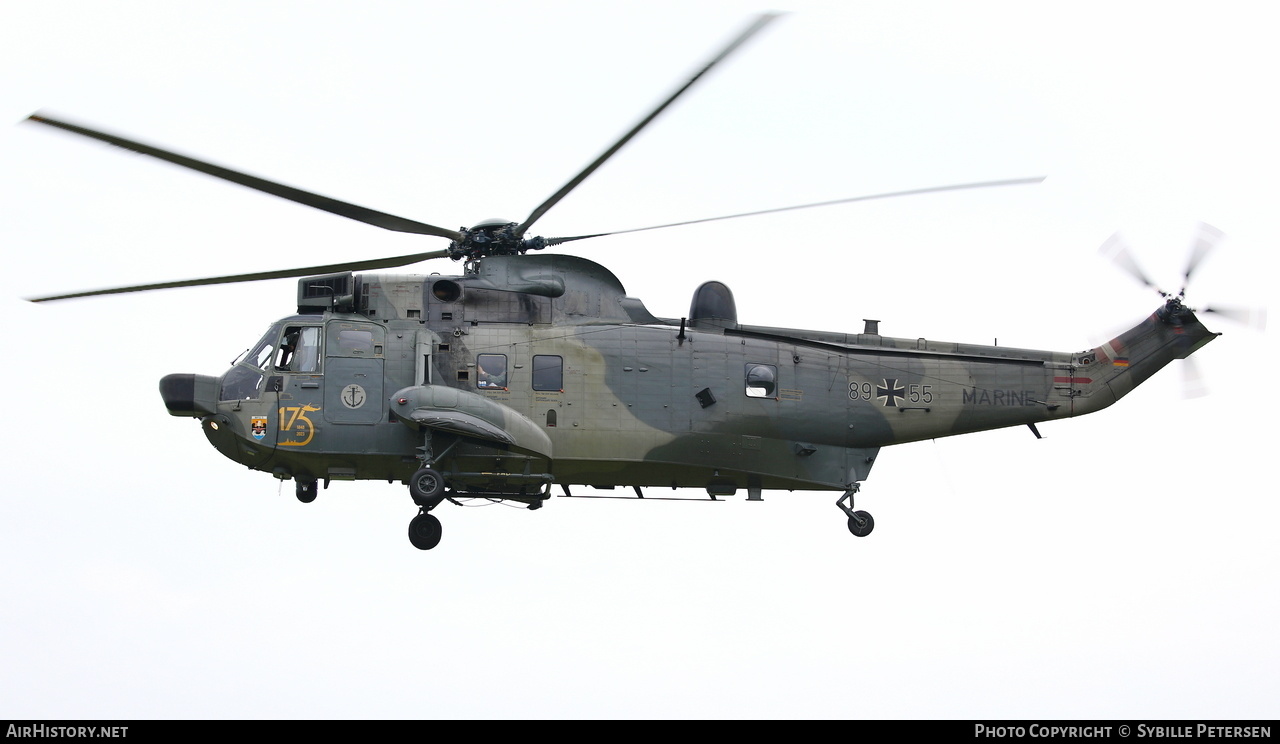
{"x":1174,"y":312}
{"x":492,"y":238}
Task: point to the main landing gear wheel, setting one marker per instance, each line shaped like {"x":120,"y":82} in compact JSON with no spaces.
{"x":425,"y":531}
{"x":861,"y":523}
{"x":306,"y":491}
{"x":426,"y":486}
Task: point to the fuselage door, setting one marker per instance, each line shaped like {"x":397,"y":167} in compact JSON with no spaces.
{"x":353,"y":372}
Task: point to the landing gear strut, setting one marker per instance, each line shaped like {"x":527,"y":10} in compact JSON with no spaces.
{"x":860,"y":522}
{"x":428,"y":488}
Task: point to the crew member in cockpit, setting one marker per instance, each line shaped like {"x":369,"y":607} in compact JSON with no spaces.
{"x":287,"y":347}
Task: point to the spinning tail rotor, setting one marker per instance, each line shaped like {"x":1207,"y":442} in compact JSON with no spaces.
{"x":1206,"y":241}
{"x":1174,"y":312}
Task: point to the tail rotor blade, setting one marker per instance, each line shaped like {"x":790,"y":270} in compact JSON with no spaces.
{"x":1116,"y":250}
{"x":1251,"y":317}
{"x":1207,"y":238}
{"x":1193,"y":383}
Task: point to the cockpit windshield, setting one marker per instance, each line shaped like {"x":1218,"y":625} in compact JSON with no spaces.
{"x":261,"y":353}
{"x":244,"y":380}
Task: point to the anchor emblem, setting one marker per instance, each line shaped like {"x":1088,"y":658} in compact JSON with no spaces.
{"x":353,"y":396}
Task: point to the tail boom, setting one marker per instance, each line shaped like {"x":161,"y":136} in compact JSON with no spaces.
{"x":1109,"y":372}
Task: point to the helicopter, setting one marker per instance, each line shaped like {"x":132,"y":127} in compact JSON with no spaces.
{"x":528,"y":370}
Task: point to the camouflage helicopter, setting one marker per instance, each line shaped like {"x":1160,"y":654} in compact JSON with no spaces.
{"x":530,"y":370}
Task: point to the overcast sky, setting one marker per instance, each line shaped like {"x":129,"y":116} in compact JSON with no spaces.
{"x":1124,"y":566}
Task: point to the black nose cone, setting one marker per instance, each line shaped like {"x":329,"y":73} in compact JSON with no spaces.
{"x":189,"y":395}
{"x":179,"y":393}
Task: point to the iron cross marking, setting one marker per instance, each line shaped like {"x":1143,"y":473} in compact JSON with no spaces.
{"x":890,"y":390}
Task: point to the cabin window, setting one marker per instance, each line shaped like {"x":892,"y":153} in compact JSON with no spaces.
{"x":355,"y":343}
{"x":762,"y":380}
{"x":357,"y":340}
{"x":491,"y":371}
{"x":299,"y":350}
{"x":548,"y":372}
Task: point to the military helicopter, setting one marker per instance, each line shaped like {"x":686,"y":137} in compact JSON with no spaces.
{"x":532,"y":370}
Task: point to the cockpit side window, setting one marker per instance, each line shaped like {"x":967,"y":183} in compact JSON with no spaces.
{"x":299,"y":350}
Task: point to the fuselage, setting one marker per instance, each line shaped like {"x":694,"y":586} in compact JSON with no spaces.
{"x":539,"y":369}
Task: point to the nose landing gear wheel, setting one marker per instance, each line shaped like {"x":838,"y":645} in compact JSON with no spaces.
{"x":425,"y":531}
{"x":861,"y":523}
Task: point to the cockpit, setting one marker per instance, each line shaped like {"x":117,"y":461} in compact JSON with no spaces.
{"x":286,"y":347}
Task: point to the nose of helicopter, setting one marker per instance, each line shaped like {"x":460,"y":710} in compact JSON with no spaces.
{"x":189,"y":395}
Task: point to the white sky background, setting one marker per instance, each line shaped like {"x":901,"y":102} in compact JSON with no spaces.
{"x":1122,"y":567}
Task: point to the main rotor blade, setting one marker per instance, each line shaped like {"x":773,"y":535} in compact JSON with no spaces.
{"x":377,"y":263}
{"x":324,"y":203}
{"x":759,"y":23}
{"x":911,"y":192}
